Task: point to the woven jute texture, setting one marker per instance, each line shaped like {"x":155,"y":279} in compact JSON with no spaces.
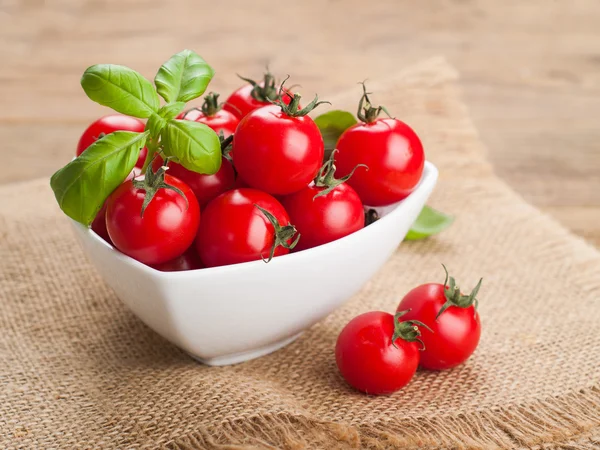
{"x":78,"y":370}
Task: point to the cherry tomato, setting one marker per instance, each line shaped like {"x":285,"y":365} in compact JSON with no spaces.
{"x":235,"y":230}
{"x":213,"y":115}
{"x":206,"y":187}
{"x":106,"y":125}
{"x":277,"y":150}
{"x":378,"y":354}
{"x":254,"y":95}
{"x":453,"y":319}
{"x":99,"y":223}
{"x":188,"y":261}
{"x":390,"y":149}
{"x":168,"y":225}
{"x":325,"y":210}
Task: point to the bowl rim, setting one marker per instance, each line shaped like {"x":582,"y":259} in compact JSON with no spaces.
{"x":430,"y":172}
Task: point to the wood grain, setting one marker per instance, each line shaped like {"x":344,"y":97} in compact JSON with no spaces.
{"x":531,"y":72}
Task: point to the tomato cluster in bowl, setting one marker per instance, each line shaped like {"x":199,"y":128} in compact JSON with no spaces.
{"x":277,"y":190}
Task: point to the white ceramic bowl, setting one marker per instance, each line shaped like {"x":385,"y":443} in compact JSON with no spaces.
{"x":226,"y":315}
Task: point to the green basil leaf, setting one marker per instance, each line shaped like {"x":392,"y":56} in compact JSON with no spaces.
{"x":332,"y":124}
{"x":83,"y":185}
{"x":155,"y":125}
{"x":171,"y":110}
{"x":183,"y":77}
{"x":428,"y":223}
{"x":121,"y":89}
{"x":195,"y":145}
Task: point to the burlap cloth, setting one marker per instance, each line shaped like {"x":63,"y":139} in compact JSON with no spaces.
{"x":78,"y":370}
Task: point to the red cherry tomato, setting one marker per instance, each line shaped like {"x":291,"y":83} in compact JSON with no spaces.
{"x":99,"y":223}
{"x":390,"y":149}
{"x":378,"y":354}
{"x":205,"y":187}
{"x":188,"y":261}
{"x":456,"y":330}
{"x":166,"y":229}
{"x":253,"y":96}
{"x":325,"y":210}
{"x":234,"y":230}
{"x":108,"y":124}
{"x":212,"y":114}
{"x":275,"y":152}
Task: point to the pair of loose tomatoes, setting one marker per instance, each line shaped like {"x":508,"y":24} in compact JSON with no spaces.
{"x":435,"y":326}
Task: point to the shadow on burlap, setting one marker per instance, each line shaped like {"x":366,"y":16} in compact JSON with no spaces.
{"x":80,"y":371}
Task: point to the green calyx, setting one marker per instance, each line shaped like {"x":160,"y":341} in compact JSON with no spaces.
{"x":408,"y":329}
{"x":264,"y":92}
{"x":226,"y":146}
{"x":282,"y":234}
{"x":326,"y":176}
{"x":211,"y":104}
{"x":454,"y":296}
{"x":152,"y":182}
{"x":368,"y":113}
{"x":291,"y":110}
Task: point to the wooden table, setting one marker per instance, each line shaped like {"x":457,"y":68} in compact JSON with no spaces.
{"x":531,"y":72}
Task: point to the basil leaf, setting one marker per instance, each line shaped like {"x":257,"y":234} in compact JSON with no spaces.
{"x":155,"y":125}
{"x":171,"y":110}
{"x":332,"y":124}
{"x":428,"y":223}
{"x":195,"y":145}
{"x":83,"y":185}
{"x":183,"y":77}
{"x":121,"y":89}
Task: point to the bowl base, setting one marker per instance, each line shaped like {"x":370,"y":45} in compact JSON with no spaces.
{"x":236,"y":358}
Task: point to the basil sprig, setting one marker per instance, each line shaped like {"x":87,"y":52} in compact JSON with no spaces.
{"x":83,"y":185}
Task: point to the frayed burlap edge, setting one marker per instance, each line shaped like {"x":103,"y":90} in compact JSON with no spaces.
{"x":553,"y":420}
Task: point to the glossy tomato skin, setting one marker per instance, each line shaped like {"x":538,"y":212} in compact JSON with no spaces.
{"x":167,"y":228}
{"x":241,"y":103}
{"x":99,"y":223}
{"x":233,"y":230}
{"x":368,"y":360}
{"x":326,"y":218}
{"x":109,"y":124}
{"x":393,"y":153}
{"x":188,"y":261}
{"x":222,"y":120}
{"x":205,"y":187}
{"x":455,"y":333}
{"x":277,"y":153}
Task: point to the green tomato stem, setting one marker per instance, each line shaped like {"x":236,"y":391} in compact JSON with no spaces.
{"x":152,"y":146}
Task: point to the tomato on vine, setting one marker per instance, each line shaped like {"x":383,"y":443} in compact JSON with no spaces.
{"x":244,"y":225}
{"x":325,"y":210}
{"x":154,"y":219}
{"x":389,"y":147}
{"x":278,"y":148}
{"x":212,"y":114}
{"x":452,"y":317}
{"x":109,"y":124}
{"x":253,"y":96}
{"x":377,"y":353}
